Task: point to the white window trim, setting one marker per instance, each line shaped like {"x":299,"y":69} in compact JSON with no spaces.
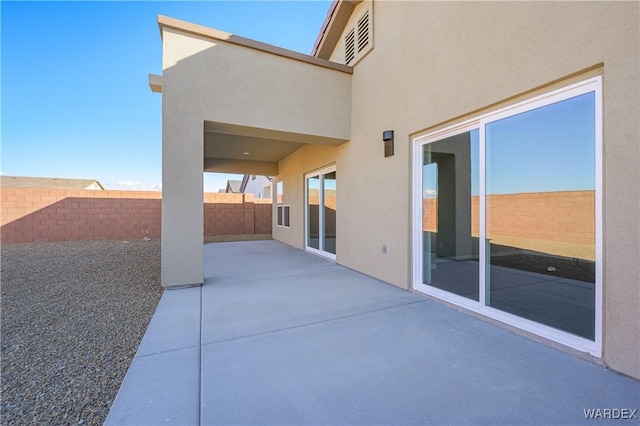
{"x":278,"y":184}
{"x":593,"y":84}
{"x":282,"y":206}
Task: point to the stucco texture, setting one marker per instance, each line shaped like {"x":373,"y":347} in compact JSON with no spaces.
{"x":433,"y":64}
{"x":436,"y":62}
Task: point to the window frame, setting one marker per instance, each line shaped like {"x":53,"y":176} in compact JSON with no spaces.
{"x":280,"y":207}
{"x":280,"y":215}
{"x":321,"y":228}
{"x":479,"y":122}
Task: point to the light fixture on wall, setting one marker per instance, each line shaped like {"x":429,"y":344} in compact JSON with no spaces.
{"x":387,"y":137}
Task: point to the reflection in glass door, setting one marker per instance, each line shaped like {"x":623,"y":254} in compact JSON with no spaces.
{"x":320,"y":188}
{"x":540,"y":210}
{"x":450,"y":222}
{"x":313,"y":212}
{"x":329,"y":216}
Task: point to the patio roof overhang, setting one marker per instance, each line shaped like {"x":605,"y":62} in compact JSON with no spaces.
{"x":256,"y":103}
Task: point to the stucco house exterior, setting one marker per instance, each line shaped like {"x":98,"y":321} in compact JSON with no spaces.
{"x":259,"y":186}
{"x":485,"y":154}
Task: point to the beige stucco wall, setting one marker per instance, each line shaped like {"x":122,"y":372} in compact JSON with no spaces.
{"x":227,"y":83}
{"x":435,"y":61}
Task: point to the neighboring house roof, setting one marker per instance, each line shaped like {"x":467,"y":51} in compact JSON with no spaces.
{"x":245,"y":181}
{"x":49,"y":183}
{"x":234,"y":186}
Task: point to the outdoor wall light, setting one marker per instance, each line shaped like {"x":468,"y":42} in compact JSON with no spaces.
{"x":387,"y":137}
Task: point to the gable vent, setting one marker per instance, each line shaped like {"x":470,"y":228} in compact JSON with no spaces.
{"x":358,"y":36}
{"x":349,"y":47}
{"x":363,"y":32}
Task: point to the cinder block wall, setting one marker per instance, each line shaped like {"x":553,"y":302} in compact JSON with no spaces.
{"x":231,"y":214}
{"x":42,"y":215}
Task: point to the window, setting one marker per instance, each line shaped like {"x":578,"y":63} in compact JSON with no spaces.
{"x":283,"y":216}
{"x":508,"y":218}
{"x":279,"y":192}
{"x":282,"y":211}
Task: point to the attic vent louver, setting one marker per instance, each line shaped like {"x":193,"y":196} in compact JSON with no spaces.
{"x":349,"y":47}
{"x":363,"y":32}
{"x":358,"y":35}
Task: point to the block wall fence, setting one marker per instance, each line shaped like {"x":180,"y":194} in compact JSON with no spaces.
{"x":47,"y":215}
{"x":557,"y":222}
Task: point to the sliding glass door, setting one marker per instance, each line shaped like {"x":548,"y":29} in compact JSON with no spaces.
{"x":507,"y":215}
{"x":320,"y":218}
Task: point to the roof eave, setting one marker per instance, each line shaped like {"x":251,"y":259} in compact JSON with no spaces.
{"x":155,"y":83}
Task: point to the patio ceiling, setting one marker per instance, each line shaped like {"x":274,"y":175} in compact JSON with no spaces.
{"x":230,"y":148}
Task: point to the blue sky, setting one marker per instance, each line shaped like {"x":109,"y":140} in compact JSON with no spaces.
{"x":75,"y":98}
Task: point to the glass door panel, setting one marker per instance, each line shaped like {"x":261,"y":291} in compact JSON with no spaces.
{"x":321,"y":211}
{"x":540,"y":223}
{"x":450,"y":215}
{"x":329,"y":216}
{"x":313,"y":212}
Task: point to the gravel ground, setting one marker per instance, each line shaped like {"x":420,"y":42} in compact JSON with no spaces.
{"x":73,"y":315}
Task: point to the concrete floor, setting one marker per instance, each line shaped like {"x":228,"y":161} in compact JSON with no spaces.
{"x":279,"y":336}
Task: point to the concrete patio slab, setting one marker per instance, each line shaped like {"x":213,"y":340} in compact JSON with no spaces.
{"x":268,"y":294}
{"x":162,"y":385}
{"x":290,"y":338}
{"x":160,"y":389}
{"x":390,"y":367}
{"x":175,"y":324}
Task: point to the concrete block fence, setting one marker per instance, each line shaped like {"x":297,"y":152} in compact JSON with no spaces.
{"x":44,"y":215}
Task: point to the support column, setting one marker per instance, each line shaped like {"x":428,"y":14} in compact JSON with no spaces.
{"x":182,"y":199}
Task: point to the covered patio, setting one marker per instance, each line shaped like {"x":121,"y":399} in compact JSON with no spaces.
{"x":279,"y":336}
{"x":234,"y":105}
